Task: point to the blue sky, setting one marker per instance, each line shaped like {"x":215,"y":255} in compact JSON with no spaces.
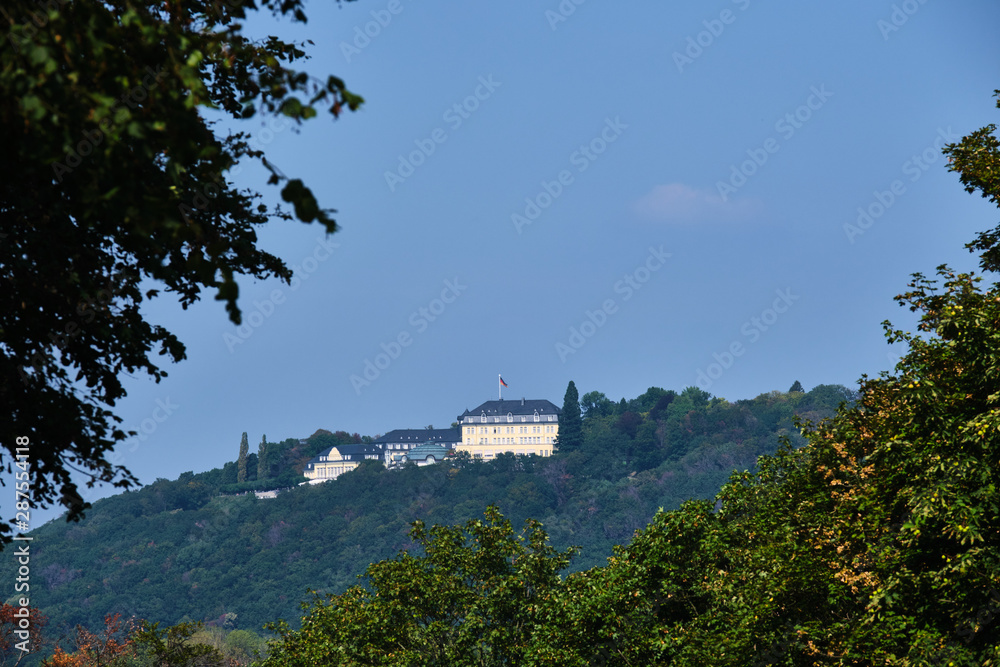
{"x":671,"y":183}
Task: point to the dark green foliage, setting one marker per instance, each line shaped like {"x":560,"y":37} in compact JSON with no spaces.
{"x":796,"y":386}
{"x":570,"y":422}
{"x":649,"y":400}
{"x":470,"y":596}
{"x":977,"y":160}
{"x":176,"y":550}
{"x":171,"y":647}
{"x":596,"y":404}
{"x":659,"y":410}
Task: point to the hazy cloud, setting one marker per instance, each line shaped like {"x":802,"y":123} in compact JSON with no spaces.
{"x":676,"y":202}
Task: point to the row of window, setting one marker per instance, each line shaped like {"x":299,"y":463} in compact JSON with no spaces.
{"x":530,"y":440}
{"x":510,"y":418}
{"x":471,"y":430}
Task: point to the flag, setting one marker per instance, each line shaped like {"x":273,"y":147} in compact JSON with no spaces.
{"x":502,"y":382}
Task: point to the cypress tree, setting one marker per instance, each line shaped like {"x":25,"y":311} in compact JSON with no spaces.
{"x":261,"y":455}
{"x":241,"y":463}
{"x":570,"y":424}
{"x":796,"y":387}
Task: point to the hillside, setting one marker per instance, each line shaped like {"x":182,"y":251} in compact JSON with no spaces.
{"x":178,"y":550}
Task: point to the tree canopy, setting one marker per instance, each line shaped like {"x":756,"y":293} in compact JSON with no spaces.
{"x":471,"y":598}
{"x":115,"y":185}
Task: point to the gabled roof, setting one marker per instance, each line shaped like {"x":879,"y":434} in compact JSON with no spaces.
{"x":517,"y":407}
{"x":318,"y":458}
{"x":358,"y":452}
{"x":346,"y":452}
{"x":420,"y":435}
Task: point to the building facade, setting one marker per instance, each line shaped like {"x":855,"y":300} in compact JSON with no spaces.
{"x":519,"y":427}
{"x":335,"y":461}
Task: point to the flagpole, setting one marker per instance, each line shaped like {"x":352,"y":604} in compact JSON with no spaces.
{"x":499,"y":386}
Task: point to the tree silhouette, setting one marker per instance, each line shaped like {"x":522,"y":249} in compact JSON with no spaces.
{"x":241,"y":462}
{"x":115,"y":185}
{"x":570,"y":423}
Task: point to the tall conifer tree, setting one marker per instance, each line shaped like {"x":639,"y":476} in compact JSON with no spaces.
{"x":571,"y":425}
{"x":261,"y":455}
{"x":241,"y":463}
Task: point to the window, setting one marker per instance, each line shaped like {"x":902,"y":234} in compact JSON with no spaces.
{"x":510,"y":417}
{"x":482,"y":419}
{"x":536,"y":416}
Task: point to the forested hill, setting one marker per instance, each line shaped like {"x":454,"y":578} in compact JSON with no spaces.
{"x":190,"y":550}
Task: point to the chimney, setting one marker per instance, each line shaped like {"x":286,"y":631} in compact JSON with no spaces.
{"x":522,"y":401}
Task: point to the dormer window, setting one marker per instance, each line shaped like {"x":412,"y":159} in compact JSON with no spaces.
{"x":510,"y":417}
{"x":536,"y":416}
{"x":482,"y":419}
